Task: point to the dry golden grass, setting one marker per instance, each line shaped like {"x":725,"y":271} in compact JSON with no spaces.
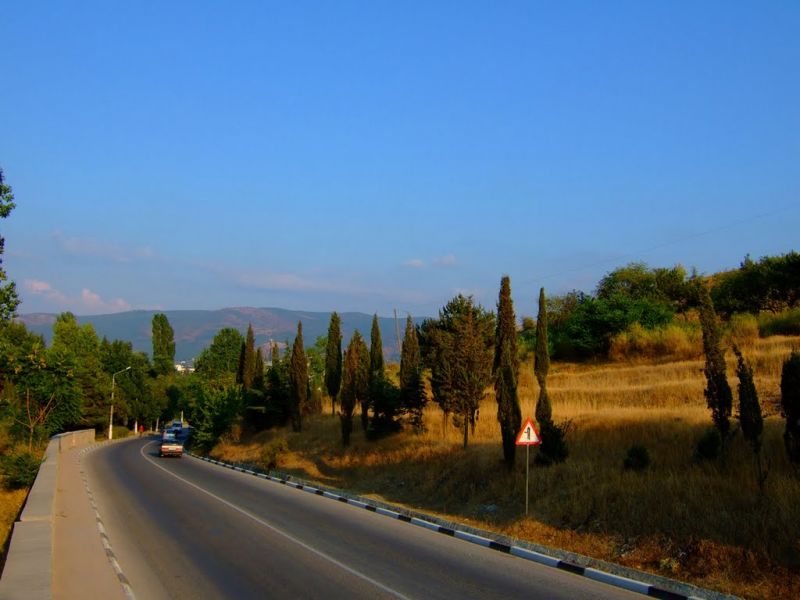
{"x":705,"y":523}
{"x":11,"y":502}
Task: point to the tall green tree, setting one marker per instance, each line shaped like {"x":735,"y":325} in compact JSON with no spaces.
{"x":163,"y":345}
{"x":258,"y":371}
{"x":278,"y":389}
{"x":9,"y":301}
{"x":364,"y":392}
{"x":384,"y":396}
{"x":436,"y":347}
{"x":376,"y":373}
{"x":315,"y":356}
{"x":217,"y":410}
{"x":718,"y":392}
{"x":333,"y":360}
{"x":472,"y":365}
{"x":772,"y":283}
{"x":457,"y":347}
{"x":790,"y":405}
{"x":355,"y":377}
{"x":506,"y":370}
{"x":541,"y":362}
{"x":413,"y":396}
{"x":138,"y":395}
{"x":80,"y":343}
{"x":247,"y":360}
{"x":221,"y":359}
{"x":298,"y":379}
{"x":554,"y":445}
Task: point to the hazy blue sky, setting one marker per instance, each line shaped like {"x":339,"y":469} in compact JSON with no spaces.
{"x":378,"y":155}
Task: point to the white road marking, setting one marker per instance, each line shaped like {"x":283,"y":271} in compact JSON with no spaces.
{"x":288,"y":536}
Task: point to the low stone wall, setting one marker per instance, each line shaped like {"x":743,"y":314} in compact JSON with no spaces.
{"x":28,"y":572}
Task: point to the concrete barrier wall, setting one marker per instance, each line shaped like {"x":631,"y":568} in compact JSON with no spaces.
{"x":28,"y":572}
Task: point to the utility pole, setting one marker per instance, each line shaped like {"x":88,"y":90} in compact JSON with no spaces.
{"x":111,"y":413}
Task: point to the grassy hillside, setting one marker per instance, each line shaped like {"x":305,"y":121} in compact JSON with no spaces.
{"x":702,"y":522}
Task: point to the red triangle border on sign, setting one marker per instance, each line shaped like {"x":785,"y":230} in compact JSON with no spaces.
{"x":528,"y":436}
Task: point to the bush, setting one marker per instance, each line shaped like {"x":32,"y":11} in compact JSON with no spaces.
{"x":120,"y":432}
{"x":785,"y":323}
{"x":19,"y":470}
{"x":637,"y":458}
{"x":553,"y":448}
{"x":272,"y":453}
{"x":709,"y":446}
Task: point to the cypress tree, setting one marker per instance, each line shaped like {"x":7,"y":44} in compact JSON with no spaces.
{"x":750,"y":416}
{"x":412,"y":386}
{"x":277,"y":387}
{"x":719,"y":396}
{"x":554,"y":447}
{"x":362,"y":381}
{"x":541,"y":363}
{"x":248,"y":369}
{"x":333,"y":360}
{"x":354,"y":375}
{"x":298,"y":379}
{"x":258,"y":372}
{"x":163,"y":345}
{"x":790,"y":405}
{"x":240,"y":364}
{"x":375,"y":350}
{"x":376,"y":374}
{"x":505,"y":370}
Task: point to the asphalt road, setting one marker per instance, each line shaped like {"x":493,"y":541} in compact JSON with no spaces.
{"x":184,"y":528}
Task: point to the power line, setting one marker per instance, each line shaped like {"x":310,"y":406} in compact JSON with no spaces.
{"x":678,"y":240}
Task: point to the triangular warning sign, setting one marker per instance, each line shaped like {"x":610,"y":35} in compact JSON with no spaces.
{"x":528,"y":436}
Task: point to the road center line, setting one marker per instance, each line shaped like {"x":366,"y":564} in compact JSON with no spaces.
{"x":288,"y":536}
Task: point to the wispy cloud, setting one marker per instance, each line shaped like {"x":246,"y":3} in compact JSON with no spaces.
{"x":91,"y":247}
{"x":93,"y":301}
{"x":448,"y":260}
{"x":87,"y":301}
{"x":415,"y":263}
{"x":268,"y":281}
{"x":42,"y":288}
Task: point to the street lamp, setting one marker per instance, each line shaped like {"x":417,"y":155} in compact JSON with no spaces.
{"x":111,"y":414}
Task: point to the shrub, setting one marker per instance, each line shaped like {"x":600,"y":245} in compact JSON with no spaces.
{"x":120,"y":432}
{"x":553,"y":448}
{"x":709,"y":446}
{"x":637,"y":458}
{"x":785,"y":323}
{"x":272,"y":453}
{"x":790,"y":405}
{"x":19,"y":470}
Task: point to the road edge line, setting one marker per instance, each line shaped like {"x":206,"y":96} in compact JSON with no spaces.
{"x":485,"y":538}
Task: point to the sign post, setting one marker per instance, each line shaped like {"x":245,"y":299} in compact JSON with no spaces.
{"x":528,"y":436}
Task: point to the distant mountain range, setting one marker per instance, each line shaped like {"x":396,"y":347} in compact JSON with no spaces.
{"x":195,"y":329}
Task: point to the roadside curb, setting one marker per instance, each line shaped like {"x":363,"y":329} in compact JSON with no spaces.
{"x":112,"y":559}
{"x":626,"y":578}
